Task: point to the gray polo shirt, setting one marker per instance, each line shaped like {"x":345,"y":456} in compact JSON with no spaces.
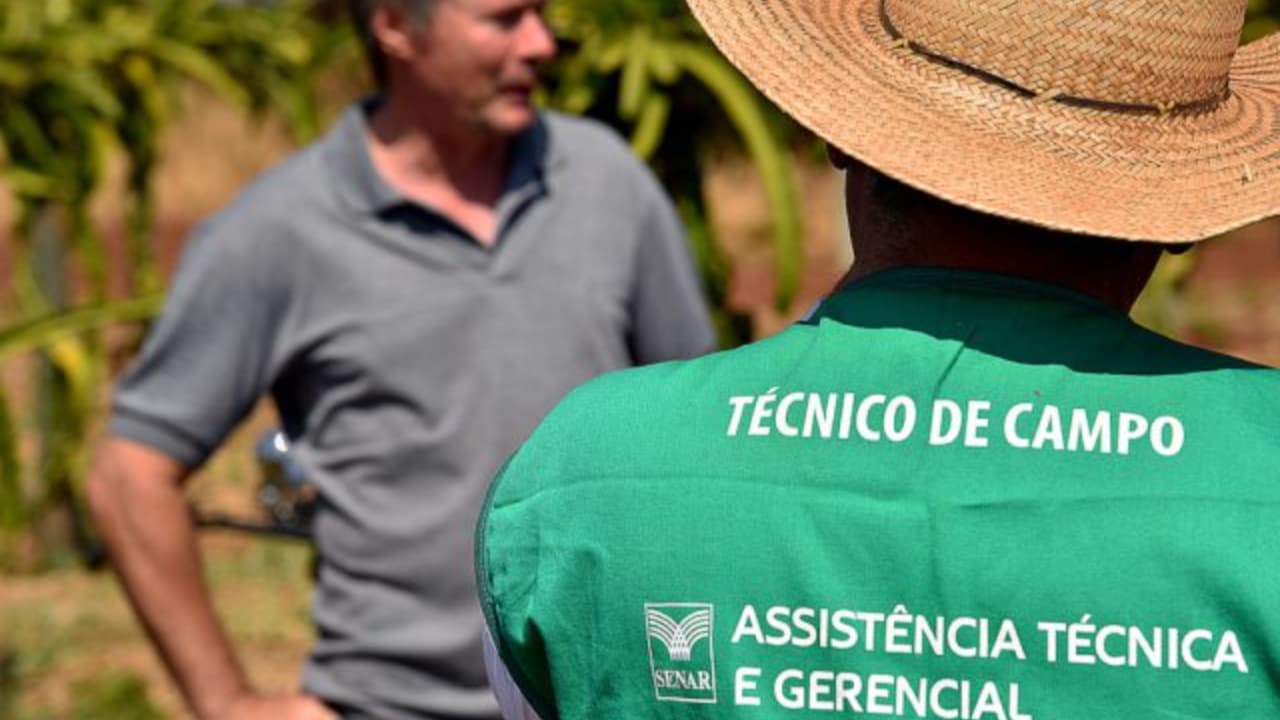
{"x":407,"y":362}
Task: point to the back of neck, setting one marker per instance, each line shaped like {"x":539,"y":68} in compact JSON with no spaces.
{"x":1114,"y":272}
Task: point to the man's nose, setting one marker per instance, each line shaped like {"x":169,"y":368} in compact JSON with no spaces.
{"x":536,"y":42}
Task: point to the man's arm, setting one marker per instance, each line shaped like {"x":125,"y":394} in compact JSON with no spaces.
{"x":135,"y":496}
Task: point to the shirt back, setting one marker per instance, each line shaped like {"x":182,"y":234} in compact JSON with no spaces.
{"x":947,"y":495}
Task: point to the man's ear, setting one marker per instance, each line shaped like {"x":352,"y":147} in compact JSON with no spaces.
{"x":390,"y":26}
{"x":838,"y":159}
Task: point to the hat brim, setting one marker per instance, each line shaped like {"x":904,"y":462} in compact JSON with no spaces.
{"x":834,"y":66}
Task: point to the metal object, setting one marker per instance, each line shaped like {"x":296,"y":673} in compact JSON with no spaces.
{"x":286,"y":496}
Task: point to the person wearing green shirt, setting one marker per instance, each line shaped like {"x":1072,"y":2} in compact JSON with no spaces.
{"x":967,"y":486}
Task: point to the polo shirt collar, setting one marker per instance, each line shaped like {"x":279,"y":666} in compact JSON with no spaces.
{"x":923,"y":297}
{"x":534,"y":158}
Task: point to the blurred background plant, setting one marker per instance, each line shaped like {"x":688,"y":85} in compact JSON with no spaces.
{"x":79,"y":80}
{"x":646,"y":68}
{"x":1264,"y":19}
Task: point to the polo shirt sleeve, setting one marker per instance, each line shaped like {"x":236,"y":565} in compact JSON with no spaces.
{"x":206,"y":360}
{"x":669,"y":312}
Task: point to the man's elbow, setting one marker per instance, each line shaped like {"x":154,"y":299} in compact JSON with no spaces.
{"x":102,"y":487}
{"x":124,"y":476}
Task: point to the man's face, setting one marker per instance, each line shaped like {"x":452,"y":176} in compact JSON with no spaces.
{"x":478,"y":59}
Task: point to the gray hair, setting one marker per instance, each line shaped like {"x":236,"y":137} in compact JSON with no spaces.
{"x":362,"y":16}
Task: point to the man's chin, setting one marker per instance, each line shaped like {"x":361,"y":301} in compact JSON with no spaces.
{"x":512,"y":119}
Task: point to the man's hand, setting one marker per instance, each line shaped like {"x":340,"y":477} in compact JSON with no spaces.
{"x":277,"y":707}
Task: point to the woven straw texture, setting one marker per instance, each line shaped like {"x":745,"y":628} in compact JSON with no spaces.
{"x":1131,"y":119}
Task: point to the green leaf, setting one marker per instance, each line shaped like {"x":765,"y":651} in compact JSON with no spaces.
{"x":297,"y":106}
{"x":58,"y":11}
{"x":140,"y":71}
{"x":1260,"y":27}
{"x":1161,"y":302}
{"x":200,"y":66}
{"x":651,"y":126}
{"x":133,"y":26}
{"x":576,"y":99}
{"x":576,"y":90}
{"x":612,"y":56}
{"x":28,"y":183}
{"x":662,"y":63}
{"x":25,"y":137}
{"x":44,"y":331}
{"x":12,"y":501}
{"x":294,"y":48}
{"x":86,"y":47}
{"x":768,"y":154}
{"x":14,"y":74}
{"x":24,"y":20}
{"x":94,"y":91}
{"x":72,"y":357}
{"x":155,"y":102}
{"x":31,"y":299}
{"x":89,"y":250}
{"x":635,"y":74}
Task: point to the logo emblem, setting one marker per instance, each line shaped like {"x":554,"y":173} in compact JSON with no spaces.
{"x":681,"y":651}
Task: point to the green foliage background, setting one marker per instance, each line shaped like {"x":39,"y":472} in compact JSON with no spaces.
{"x":80,"y":79}
{"x":1264,"y":19}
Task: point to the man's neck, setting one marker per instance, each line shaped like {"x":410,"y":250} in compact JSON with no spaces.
{"x":434,"y":159}
{"x":1114,"y":274}
{"x":907,"y":228}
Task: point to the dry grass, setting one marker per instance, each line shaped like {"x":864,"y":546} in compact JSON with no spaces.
{"x":69,"y":627}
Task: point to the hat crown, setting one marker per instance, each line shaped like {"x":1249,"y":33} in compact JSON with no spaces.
{"x":1135,"y":52}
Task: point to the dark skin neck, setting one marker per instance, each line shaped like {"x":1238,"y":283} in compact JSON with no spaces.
{"x":923,"y":232}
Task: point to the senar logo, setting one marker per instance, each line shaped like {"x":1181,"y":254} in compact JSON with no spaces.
{"x":682,"y":665}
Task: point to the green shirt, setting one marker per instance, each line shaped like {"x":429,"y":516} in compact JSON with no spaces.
{"x":947,"y":495}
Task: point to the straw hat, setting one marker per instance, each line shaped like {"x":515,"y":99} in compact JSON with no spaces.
{"x":1133,"y":119}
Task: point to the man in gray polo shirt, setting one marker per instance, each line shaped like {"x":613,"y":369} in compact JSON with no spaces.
{"x":414,"y":291}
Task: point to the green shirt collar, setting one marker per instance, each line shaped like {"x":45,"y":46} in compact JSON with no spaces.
{"x":966,"y":287}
